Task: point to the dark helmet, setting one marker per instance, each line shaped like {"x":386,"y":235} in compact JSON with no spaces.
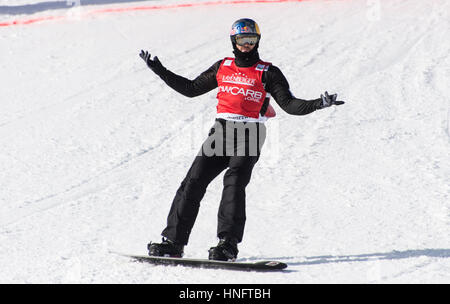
{"x":244,"y":27}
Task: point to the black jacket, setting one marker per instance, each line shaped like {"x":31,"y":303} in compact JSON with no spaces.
{"x":274,"y":80}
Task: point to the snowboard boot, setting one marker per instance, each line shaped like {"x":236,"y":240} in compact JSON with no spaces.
{"x":226,"y":250}
{"x":166,"y":248}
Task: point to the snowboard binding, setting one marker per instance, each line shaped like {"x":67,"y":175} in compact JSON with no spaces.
{"x":166,"y":248}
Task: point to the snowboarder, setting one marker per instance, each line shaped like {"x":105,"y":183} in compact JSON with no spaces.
{"x":245,"y":84}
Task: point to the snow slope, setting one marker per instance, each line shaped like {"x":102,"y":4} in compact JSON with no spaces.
{"x":93,"y":145}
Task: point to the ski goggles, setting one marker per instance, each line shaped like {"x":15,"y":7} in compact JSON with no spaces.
{"x":246,"y":39}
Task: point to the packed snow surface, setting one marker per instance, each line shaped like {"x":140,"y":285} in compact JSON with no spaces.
{"x":93,"y":145}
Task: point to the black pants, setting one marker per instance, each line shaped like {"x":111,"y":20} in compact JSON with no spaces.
{"x":234,"y":153}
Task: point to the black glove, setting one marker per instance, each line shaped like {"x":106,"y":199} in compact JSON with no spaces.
{"x":328,"y":100}
{"x":154,"y":64}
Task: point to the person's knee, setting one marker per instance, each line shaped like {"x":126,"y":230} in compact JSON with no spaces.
{"x":237,"y":178}
{"x":194,"y":188}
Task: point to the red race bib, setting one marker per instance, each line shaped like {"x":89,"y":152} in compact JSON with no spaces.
{"x":241,"y":90}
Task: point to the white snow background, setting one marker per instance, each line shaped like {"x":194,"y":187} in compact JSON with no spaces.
{"x":93,"y":145}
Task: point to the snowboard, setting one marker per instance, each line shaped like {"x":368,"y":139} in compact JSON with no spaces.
{"x":203,"y":263}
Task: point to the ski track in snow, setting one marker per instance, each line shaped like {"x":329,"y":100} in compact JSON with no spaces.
{"x":93,"y":145}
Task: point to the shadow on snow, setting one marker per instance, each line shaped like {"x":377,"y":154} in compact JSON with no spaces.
{"x":393,"y":255}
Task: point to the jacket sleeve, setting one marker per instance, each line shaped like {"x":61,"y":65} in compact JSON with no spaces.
{"x":204,"y":83}
{"x":278,"y":87}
